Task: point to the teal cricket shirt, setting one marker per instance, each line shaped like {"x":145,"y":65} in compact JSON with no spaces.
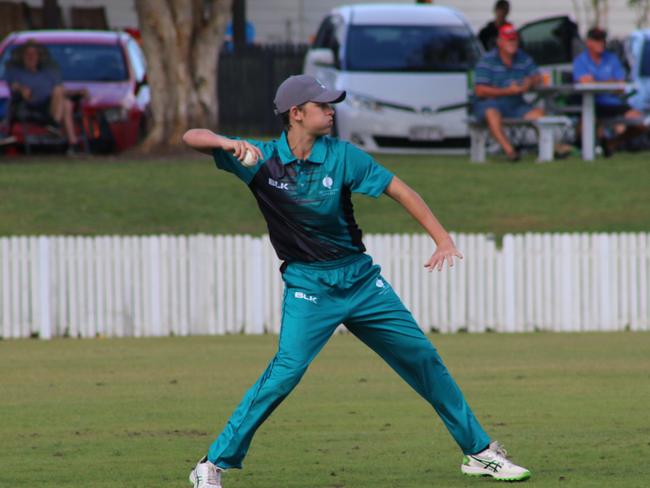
{"x":307,"y":204}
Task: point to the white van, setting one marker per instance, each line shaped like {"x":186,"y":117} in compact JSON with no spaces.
{"x":399,"y":65}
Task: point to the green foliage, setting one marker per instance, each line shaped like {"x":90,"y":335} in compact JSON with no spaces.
{"x":139,"y":412}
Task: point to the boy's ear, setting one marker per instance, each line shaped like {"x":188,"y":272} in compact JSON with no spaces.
{"x":295,"y":113}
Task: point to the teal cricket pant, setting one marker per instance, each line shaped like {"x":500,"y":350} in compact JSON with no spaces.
{"x":317,"y":298}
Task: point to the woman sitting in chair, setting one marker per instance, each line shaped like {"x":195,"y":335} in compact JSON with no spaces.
{"x":41,"y":88}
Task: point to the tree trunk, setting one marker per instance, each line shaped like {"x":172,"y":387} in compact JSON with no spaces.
{"x":181,"y":41}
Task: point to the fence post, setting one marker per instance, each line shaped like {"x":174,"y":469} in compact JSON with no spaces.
{"x":154,"y":286}
{"x":255,"y":287}
{"x":44,"y":298}
{"x":605,"y":297}
{"x":567,"y":291}
{"x":509,"y":282}
{"x":5,"y":299}
{"x":644,"y":265}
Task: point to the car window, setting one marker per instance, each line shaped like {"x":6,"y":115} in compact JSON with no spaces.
{"x":136,"y":58}
{"x":82,"y":62}
{"x":410,"y":48}
{"x":550,"y":41}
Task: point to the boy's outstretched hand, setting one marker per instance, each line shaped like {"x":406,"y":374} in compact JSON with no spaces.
{"x":445,"y":251}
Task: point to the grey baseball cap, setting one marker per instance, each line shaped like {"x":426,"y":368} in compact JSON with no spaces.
{"x":300,"y":89}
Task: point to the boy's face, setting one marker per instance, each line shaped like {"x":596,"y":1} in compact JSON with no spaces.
{"x":316,"y":118}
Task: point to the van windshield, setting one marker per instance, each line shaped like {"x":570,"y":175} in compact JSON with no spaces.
{"x":410,"y":48}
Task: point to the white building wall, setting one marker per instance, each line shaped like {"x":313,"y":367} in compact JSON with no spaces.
{"x":296,"y":20}
{"x":119,"y":13}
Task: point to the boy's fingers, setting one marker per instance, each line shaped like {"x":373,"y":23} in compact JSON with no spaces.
{"x":450,"y":260}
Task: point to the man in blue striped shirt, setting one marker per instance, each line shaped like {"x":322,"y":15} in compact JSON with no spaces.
{"x":501,"y":78}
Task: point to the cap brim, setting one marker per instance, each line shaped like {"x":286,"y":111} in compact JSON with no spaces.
{"x":330,"y":96}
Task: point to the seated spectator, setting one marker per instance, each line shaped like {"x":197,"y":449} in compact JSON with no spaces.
{"x":40,"y":87}
{"x":501,"y":78}
{"x":489,"y":33}
{"x":596,"y":64}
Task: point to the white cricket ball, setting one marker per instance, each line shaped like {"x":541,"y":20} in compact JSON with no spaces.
{"x":250,"y":159}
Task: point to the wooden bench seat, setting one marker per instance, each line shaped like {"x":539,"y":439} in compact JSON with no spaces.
{"x":545,"y":127}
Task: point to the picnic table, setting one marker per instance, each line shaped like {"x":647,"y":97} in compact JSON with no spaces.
{"x":588,"y":92}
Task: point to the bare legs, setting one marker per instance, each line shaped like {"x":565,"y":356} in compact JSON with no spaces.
{"x":61,"y":110}
{"x":494,"y":121}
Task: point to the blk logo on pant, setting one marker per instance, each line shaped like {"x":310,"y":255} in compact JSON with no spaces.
{"x":304,"y":296}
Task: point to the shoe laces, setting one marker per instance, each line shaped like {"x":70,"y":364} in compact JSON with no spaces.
{"x":211,"y":472}
{"x":214,"y":475}
{"x":498,"y":448}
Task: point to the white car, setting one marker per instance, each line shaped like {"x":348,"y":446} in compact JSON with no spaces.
{"x":400,"y":65}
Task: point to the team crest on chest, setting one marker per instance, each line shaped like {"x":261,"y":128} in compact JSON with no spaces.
{"x":328,"y":182}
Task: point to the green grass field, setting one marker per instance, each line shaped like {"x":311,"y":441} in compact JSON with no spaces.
{"x":139,"y":412}
{"x":185,"y":194}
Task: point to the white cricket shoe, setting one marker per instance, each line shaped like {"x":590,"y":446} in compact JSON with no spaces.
{"x":493,"y":462}
{"x":205,"y":475}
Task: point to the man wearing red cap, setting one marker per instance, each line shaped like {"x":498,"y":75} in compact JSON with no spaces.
{"x":501,"y":78}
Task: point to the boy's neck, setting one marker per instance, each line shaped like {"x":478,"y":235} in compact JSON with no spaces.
{"x":300,"y":142}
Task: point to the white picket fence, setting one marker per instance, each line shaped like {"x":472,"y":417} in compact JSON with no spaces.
{"x":162,"y":285}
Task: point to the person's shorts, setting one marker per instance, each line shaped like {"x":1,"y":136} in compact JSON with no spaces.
{"x":509,"y":108}
{"x":611,"y":111}
{"x":41,"y":107}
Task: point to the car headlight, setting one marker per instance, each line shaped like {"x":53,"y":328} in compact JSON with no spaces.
{"x":362,"y":102}
{"x":116,"y":114}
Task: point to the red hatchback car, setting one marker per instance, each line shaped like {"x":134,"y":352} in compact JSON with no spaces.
{"x":109,"y":66}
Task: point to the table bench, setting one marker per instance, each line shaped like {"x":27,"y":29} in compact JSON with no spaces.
{"x":546,"y":127}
